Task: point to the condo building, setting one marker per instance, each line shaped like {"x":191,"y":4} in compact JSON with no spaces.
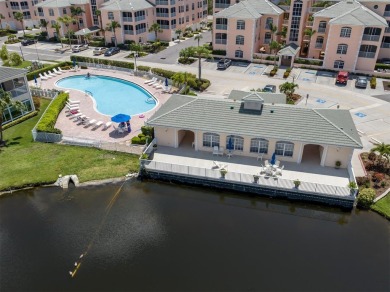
{"x":9,"y":8}
{"x":347,"y":34}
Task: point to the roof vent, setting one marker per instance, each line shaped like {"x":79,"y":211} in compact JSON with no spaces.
{"x":232,"y":107}
{"x":271,"y":111}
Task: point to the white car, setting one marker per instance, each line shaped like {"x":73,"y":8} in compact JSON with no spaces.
{"x":79,"y":48}
{"x":99,"y":51}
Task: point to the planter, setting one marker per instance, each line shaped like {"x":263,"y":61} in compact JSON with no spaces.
{"x":337,"y":164}
{"x":255,"y":179}
{"x":223,"y":172}
{"x":297,"y":183}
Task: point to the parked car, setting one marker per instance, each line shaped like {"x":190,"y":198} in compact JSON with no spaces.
{"x":269,"y":88}
{"x":112,"y":51}
{"x":27,"y":42}
{"x":79,"y":48}
{"x":384,"y":61}
{"x":361,"y":82}
{"x":99,"y":51}
{"x":224,"y":63}
{"x":342,"y":77}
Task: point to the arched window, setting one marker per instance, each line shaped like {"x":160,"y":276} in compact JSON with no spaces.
{"x":259,"y":145}
{"x":240,"y":24}
{"x":239,"y":40}
{"x":234,"y":143}
{"x":284,"y":148}
{"x":319,"y":42}
{"x":345,"y":32}
{"x":268,"y":22}
{"x":338,"y":64}
{"x":239,"y":54}
{"x":322,"y":26}
{"x":210,"y":140}
{"x":342,"y":49}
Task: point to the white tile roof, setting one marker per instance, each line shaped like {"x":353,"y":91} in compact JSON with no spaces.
{"x":249,"y":9}
{"x":61,"y":3}
{"x":126,"y":5}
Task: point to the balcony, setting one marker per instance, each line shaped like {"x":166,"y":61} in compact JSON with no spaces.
{"x":318,"y":45}
{"x":129,"y":32}
{"x":385,"y":45}
{"x":220,"y":41}
{"x":160,"y":14}
{"x":285,"y":21}
{"x":141,"y":30}
{"x":173,"y":2}
{"x":221,"y":26}
{"x":321,"y":30}
{"x":161,"y":2}
{"x":41,"y":14}
{"x":173,"y":26}
{"x":387,"y":30}
{"x":127,"y":19}
{"x":221,"y":5}
{"x":309,"y":23}
{"x":26,"y":16}
{"x":25,"y":7}
{"x":15,"y":7}
{"x":386,"y":14}
{"x":139,"y":18}
{"x":367,"y":55}
{"x":173,"y":14}
{"x":370,"y":37}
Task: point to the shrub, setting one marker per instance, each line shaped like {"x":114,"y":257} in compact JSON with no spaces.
{"x":366,"y":198}
{"x":382,"y":66}
{"x":110,"y":62}
{"x":363,"y":181}
{"x":37,"y":102}
{"x":20,"y":120}
{"x":147,"y":131}
{"x":372,"y":156}
{"x":30,"y":75}
{"x":164,"y":73}
{"x":373,"y":82}
{"x":286,"y":74}
{"x":308,"y":62}
{"x":48,"y":120}
{"x":135,"y":140}
{"x":272,"y":73}
{"x":219,"y":52}
{"x":377,"y":177}
{"x":186,"y":61}
{"x":140,"y":135}
{"x":143,"y":68}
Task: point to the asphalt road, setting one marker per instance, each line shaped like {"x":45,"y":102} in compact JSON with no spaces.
{"x":171,"y":54}
{"x":40,"y":51}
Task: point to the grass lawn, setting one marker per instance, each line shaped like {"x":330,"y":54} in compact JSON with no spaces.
{"x":24,"y":162}
{"x":383,"y":206}
{"x":23,"y":65}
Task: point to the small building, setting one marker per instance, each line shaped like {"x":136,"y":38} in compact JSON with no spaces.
{"x":250,"y":127}
{"x":15,"y":82}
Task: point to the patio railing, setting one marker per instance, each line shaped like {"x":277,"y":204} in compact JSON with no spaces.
{"x":235,"y":177}
{"x":43,"y":92}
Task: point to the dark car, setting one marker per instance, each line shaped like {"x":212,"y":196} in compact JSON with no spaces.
{"x":224,"y":63}
{"x":361,"y":82}
{"x":28,"y":42}
{"x":342,"y":77}
{"x":112,"y":51}
{"x":384,"y":61}
{"x":269,"y":88}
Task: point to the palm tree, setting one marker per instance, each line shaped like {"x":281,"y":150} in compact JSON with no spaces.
{"x":1,"y":18}
{"x":44,"y":23}
{"x":156,"y":28}
{"x":309,"y":32}
{"x":67,"y":20}
{"x":5,"y":102}
{"x":181,"y":78}
{"x":201,"y":52}
{"x":19,"y":17}
{"x":275,"y":46}
{"x":112,"y":26}
{"x":57,"y":27}
{"x":198,"y":38}
{"x":99,"y":14}
{"x":273,"y":28}
{"x":383,"y":150}
{"x":288,"y":88}
{"x":179,"y":32}
{"x":76,"y":12}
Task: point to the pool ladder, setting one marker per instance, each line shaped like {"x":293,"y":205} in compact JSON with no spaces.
{"x":87,"y":92}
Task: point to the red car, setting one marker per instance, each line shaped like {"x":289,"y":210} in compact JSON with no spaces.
{"x":342,"y":77}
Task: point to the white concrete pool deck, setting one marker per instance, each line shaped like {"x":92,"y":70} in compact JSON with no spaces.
{"x":73,"y":129}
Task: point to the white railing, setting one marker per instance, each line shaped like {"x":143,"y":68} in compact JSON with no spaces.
{"x":126,"y":31}
{"x":221,"y":26}
{"x":127,"y":19}
{"x":43,"y":92}
{"x":370,"y":37}
{"x":138,"y":18}
{"x":385,"y":45}
{"x":387,"y":13}
{"x":149,"y":148}
{"x":220,"y":41}
{"x":162,"y":14}
{"x":235,"y":177}
{"x":367,"y":55}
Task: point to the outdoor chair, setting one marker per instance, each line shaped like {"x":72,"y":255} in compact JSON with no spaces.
{"x":266,"y":163}
{"x":70,"y":101}
{"x":157,"y":84}
{"x":260,"y":156}
{"x":47,"y":75}
{"x":277,"y":163}
{"x":167,"y":89}
{"x":221,"y":151}
{"x":52,"y":73}
{"x":77,"y":115}
{"x":98,"y":124}
{"x":216,"y":164}
{"x":60,"y":70}
{"x":153,"y":83}
{"x":42,"y":77}
{"x":151,"y":80}
{"x":91,"y":122}
{"x":215,"y":150}
{"x":84,"y":119}
{"x":107,"y":125}
{"x":280,"y":170}
{"x":57,"y":72}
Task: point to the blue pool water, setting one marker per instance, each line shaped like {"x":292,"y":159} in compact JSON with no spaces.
{"x":112,"y":95}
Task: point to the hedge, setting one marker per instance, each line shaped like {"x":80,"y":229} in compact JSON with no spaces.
{"x":143,"y":68}
{"x":48,"y":120}
{"x":366,"y":198}
{"x":22,"y":119}
{"x":164,"y":73}
{"x":381,"y":66}
{"x":30,"y":75}
{"x":308,"y":62}
{"x":219,"y":52}
{"x":186,"y":61}
{"x":120,"y":64}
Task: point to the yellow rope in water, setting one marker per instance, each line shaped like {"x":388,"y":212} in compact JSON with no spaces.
{"x":108,"y":209}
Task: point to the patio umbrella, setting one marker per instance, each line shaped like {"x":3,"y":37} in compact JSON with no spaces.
{"x":35,"y":80}
{"x":166,"y":82}
{"x":273,"y":158}
{"x":74,"y":63}
{"x":121,"y":118}
{"x":230,"y":145}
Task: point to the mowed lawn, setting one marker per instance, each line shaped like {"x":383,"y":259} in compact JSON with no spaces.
{"x":383,"y":206}
{"x":24,"y":162}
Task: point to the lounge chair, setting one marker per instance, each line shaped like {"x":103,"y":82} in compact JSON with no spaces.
{"x":159,"y":83}
{"x":84,"y":119}
{"x":76,"y":115}
{"x":221,"y":151}
{"x":60,"y":70}
{"x":91,"y":122}
{"x":215,"y":150}
{"x":73,"y":101}
{"x":57,"y":72}
{"x":98,"y":124}
{"x":159,"y":86}
{"x":47,"y":75}
{"x":279,"y":171}
{"x":167,"y":89}
{"x":42,"y":77}
{"x":107,"y":125}
{"x":151,"y":80}
{"x":52,"y":73}
{"x":217,"y":164}
{"x":266,"y":163}
{"x":153,"y":83}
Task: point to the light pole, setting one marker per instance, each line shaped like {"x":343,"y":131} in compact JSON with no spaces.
{"x":21,"y":53}
{"x":36,"y":50}
{"x":135,"y":61}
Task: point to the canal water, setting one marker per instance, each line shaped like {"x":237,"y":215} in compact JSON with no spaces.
{"x":155,"y":236}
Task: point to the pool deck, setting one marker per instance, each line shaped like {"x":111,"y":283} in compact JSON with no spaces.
{"x":72,"y":129}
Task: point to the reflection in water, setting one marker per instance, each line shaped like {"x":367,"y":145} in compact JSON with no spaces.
{"x":155,"y":236}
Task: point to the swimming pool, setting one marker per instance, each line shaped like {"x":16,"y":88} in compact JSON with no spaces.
{"x":112,"y":95}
